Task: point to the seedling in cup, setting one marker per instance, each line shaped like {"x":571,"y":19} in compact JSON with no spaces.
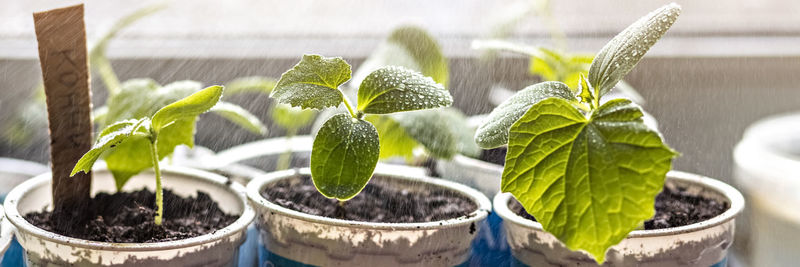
{"x":588,"y":171}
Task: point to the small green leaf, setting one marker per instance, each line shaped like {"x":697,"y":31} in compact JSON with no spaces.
{"x":344,"y":156}
{"x":393,"y":89}
{"x":588,"y":181}
{"x":313,"y":83}
{"x":134,"y":100}
{"x":240,"y":116}
{"x":109,"y":138}
{"x":253,"y":84}
{"x":289,"y":117}
{"x":587,"y":94}
{"x":622,"y":53}
{"x":395,"y":141}
{"x":189,"y":107}
{"x":494,"y":130}
{"x":410,"y":47}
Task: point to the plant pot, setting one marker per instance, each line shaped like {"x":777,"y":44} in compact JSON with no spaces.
{"x":6,"y":234}
{"x":704,"y":243}
{"x":293,"y":238}
{"x":219,"y":248}
{"x":767,"y":160}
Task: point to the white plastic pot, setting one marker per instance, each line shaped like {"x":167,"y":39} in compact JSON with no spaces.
{"x":219,"y":248}
{"x":6,"y":234}
{"x":700,"y":244}
{"x":296,"y":239}
{"x":768,"y":170}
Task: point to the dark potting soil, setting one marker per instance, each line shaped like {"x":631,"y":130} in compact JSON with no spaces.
{"x":674,"y":207}
{"x":494,"y":155}
{"x":378,"y":202}
{"x":127,"y":217}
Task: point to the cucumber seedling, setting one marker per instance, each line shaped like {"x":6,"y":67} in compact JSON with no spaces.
{"x":346,"y":148}
{"x":150,"y":139}
{"x":588,"y":172}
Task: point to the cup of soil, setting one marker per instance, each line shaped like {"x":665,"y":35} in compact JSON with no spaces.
{"x":397,"y":220}
{"x":767,"y":160}
{"x":693,"y":226}
{"x":204,"y":223}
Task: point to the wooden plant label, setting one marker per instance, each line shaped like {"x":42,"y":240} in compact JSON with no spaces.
{"x":61,"y":35}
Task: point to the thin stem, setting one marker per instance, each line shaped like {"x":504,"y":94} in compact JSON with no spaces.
{"x":285,"y":158}
{"x":107,"y":73}
{"x":159,"y":193}
{"x":349,"y":108}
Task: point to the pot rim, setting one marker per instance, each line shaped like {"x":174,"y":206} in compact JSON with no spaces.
{"x":274,"y":146}
{"x":247,"y":216}
{"x":734,"y":197}
{"x":759,"y":148}
{"x":481,"y":212}
{"x":6,"y":233}
{"x":22,"y":167}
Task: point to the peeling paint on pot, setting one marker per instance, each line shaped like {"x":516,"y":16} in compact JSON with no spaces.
{"x":6,"y":234}
{"x":219,"y":248}
{"x":701,"y":244}
{"x":293,"y":238}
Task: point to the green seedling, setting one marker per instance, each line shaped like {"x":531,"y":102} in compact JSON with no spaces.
{"x":149,"y":139}
{"x":588,"y":172}
{"x":347,"y":148}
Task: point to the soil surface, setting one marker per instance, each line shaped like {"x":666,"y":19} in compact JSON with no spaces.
{"x":127,"y":217}
{"x":674,"y":207}
{"x":494,"y":155}
{"x":378,"y":202}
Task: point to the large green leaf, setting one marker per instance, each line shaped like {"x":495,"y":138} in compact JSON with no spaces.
{"x":344,"y":155}
{"x":240,"y":116}
{"x":393,"y":89}
{"x":622,"y":53}
{"x":313,"y":83}
{"x":588,"y":181}
{"x":109,"y":138}
{"x":494,"y":130}
{"x":189,"y":107}
{"x":410,"y":47}
{"x":289,"y":117}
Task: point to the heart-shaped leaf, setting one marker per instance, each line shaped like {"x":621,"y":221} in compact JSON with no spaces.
{"x":588,"y":181}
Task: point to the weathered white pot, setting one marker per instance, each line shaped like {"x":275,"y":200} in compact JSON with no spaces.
{"x":219,"y":248}
{"x":701,"y":244}
{"x":293,"y":238}
{"x":768,"y":170}
{"x":6,"y":233}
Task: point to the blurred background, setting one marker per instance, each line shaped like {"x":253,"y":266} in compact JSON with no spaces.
{"x":723,"y":65}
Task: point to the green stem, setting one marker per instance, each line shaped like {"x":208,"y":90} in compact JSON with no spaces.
{"x":349,"y":107}
{"x":159,"y":193}
{"x":285,"y":158}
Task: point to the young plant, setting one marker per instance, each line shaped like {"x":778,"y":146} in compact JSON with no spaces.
{"x":589,"y":173}
{"x":347,"y":147}
{"x":150,"y":138}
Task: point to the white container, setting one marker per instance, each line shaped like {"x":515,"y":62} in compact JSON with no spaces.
{"x":703,"y":244}
{"x":219,"y":248}
{"x":297,"y":238}
{"x":6,"y":233}
{"x":767,"y":167}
